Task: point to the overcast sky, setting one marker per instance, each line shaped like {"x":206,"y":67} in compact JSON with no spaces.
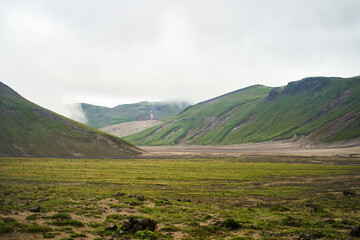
{"x":110,"y":52}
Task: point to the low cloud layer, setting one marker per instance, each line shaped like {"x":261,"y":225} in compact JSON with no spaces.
{"x":112,"y":52}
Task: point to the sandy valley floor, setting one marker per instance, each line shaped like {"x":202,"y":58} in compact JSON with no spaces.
{"x":269,"y":148}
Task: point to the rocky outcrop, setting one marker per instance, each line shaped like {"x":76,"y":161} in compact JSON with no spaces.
{"x":133,"y":225}
{"x":273,"y":94}
{"x":317,"y":83}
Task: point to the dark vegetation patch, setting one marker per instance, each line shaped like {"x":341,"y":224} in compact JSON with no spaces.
{"x":231,"y":224}
{"x":15,"y":226}
{"x":70,"y":222}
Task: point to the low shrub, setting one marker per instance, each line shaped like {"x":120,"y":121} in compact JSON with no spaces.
{"x":231,"y":224}
{"x":33,"y":217}
{"x":35,"y":228}
{"x":61,"y":216}
{"x":145,"y":234}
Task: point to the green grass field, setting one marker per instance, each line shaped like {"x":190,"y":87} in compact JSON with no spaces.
{"x":228,"y":198}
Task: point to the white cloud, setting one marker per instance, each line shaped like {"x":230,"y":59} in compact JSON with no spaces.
{"x":75,"y":112}
{"x":111,"y":52}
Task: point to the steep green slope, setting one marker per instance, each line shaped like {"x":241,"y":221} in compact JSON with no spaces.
{"x":205,"y":120}
{"x":99,"y":116}
{"x":325,"y":109}
{"x":29,"y":130}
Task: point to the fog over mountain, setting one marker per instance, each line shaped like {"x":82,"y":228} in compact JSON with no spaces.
{"x":114,"y":52}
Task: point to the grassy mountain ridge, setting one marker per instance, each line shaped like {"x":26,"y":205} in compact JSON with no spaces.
{"x":27,"y":129}
{"x":321,"y":108}
{"x":99,"y":116}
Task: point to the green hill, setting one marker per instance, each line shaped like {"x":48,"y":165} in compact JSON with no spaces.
{"x":29,"y":130}
{"x":98,"y":116}
{"x":319,"y":108}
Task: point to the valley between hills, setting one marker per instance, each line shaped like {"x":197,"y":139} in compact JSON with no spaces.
{"x":256,"y":163}
{"x":279,"y":148}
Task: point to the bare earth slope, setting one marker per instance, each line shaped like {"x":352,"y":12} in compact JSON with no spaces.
{"x":128,"y":128}
{"x":27,"y":129}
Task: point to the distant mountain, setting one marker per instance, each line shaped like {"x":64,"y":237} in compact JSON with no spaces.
{"x":98,"y":116}
{"x":27,"y":129}
{"x":319,"y":109}
{"x":128,"y":128}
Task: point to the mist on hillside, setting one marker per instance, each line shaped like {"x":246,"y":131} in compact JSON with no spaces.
{"x":75,"y":112}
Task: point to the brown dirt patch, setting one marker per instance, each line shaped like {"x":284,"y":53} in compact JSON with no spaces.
{"x":128,"y":128}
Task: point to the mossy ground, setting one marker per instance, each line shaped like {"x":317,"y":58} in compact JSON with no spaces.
{"x":265,"y":197}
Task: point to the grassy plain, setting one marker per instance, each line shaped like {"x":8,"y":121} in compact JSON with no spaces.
{"x":221,"y":198}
